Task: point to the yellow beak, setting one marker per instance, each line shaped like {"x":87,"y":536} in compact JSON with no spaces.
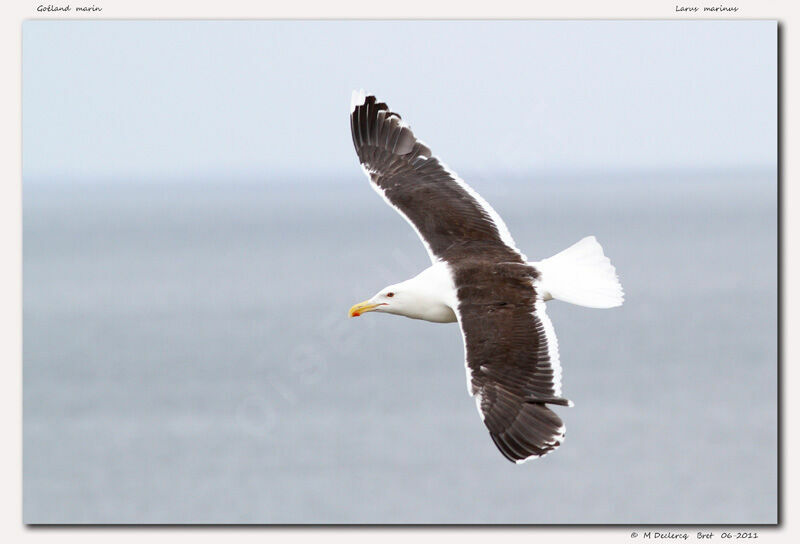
{"x":363,"y":307}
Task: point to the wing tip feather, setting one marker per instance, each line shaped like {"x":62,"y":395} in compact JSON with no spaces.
{"x":357,"y":98}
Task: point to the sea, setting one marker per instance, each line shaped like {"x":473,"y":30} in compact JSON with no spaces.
{"x":188,"y":356}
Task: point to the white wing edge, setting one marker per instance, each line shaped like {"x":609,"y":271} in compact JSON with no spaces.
{"x":357,"y":99}
{"x":540,"y":311}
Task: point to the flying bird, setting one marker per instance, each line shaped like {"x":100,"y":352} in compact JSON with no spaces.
{"x":479,"y":278}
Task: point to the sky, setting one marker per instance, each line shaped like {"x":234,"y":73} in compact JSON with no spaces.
{"x":128,"y":101}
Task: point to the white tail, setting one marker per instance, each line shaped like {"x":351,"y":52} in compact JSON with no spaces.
{"x":582,"y":275}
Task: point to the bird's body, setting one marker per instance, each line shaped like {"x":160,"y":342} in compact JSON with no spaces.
{"x":480,"y":279}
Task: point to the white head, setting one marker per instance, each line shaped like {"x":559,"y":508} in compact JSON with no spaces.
{"x":393,"y":299}
{"x":412,"y":298}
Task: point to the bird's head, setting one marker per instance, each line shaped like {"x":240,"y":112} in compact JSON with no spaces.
{"x":414,"y":298}
{"x":388,"y":300}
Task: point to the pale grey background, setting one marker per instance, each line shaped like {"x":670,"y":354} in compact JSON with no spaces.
{"x":196,"y":226}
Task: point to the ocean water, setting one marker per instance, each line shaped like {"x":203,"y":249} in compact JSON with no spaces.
{"x":188,"y":357}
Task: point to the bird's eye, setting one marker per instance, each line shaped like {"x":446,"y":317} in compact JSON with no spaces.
{"x":390,"y":295}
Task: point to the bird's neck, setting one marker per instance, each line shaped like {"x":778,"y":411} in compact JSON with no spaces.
{"x":431,"y":295}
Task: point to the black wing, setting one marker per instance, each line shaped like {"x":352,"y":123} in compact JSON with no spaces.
{"x":512,"y":357}
{"x":445,"y":211}
{"x":511,"y":350}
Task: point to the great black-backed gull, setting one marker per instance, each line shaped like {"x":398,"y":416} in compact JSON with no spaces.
{"x":479,"y":278}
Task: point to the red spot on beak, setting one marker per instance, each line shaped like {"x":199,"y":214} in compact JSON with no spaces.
{"x":356,"y":314}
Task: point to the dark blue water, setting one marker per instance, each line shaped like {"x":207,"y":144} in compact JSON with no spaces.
{"x":187,"y":358}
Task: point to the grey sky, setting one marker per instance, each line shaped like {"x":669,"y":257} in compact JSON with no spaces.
{"x":151,"y":100}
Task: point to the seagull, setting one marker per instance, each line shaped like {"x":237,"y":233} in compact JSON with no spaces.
{"x":480,"y":279}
